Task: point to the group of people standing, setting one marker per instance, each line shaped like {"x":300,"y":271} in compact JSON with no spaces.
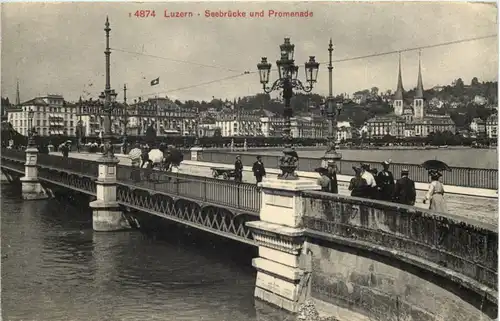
{"x":369,"y":183}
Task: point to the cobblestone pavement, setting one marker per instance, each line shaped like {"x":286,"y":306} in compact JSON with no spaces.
{"x":479,"y":208}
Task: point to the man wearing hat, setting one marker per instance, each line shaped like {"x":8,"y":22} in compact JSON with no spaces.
{"x":385,"y":182}
{"x":404,"y":190}
{"x":258,"y":170}
{"x":370,"y":180}
{"x":332,"y":175}
{"x":238,"y":169}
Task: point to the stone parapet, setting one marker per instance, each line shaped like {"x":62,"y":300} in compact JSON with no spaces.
{"x":390,"y":261}
{"x":282,"y":275}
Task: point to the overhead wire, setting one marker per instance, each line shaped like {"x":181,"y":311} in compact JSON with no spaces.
{"x":333,"y":61}
{"x":177,"y":60}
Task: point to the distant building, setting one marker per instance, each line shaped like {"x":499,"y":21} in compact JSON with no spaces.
{"x":478,"y":127}
{"x":409,"y":119}
{"x":52,"y":115}
{"x":492,"y":126}
{"x":239,"y":123}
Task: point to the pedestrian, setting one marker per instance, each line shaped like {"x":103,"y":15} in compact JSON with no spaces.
{"x":258,"y":170}
{"x":358,"y":185}
{"x":324,"y":181}
{"x":371,"y":191}
{"x":435,"y":195}
{"x":404,"y":189}
{"x":64,"y":150}
{"x":385,"y":182}
{"x":135,"y":158}
{"x":332,"y":174}
{"x":238,"y":169}
{"x":145,"y":158}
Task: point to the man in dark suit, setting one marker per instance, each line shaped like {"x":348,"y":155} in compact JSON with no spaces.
{"x":258,"y":170}
{"x":238,"y":169}
{"x":404,"y":190}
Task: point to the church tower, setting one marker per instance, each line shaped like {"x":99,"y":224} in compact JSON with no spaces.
{"x":418,"y":101}
{"x":398,"y":95}
{"x":18,"y":96}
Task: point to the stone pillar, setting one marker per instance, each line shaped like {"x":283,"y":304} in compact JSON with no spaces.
{"x":30,"y":185}
{"x":281,"y":273}
{"x":106,"y":213}
{"x":196,"y":153}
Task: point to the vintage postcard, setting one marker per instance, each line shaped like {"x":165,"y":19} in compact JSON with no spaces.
{"x":248,"y":161}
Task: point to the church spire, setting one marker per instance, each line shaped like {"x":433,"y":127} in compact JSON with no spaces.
{"x":18,"y":97}
{"x":419,"y":93}
{"x":398,"y":95}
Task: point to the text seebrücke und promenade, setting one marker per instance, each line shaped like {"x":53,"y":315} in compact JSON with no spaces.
{"x":214,"y":14}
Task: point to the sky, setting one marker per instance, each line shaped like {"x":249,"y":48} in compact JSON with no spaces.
{"x":58,"y":48}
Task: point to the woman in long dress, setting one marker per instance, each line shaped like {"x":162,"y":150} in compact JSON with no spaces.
{"x":435,"y":195}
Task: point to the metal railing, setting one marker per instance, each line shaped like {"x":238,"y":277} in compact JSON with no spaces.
{"x":232,"y":194}
{"x":242,"y":196}
{"x":75,"y":165}
{"x":463,"y":245}
{"x":13,"y":153}
{"x":459,"y":176}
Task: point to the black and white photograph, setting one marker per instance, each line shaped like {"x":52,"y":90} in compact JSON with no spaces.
{"x":249,"y":161}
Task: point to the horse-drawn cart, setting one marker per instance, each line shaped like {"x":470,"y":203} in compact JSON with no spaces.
{"x":226,"y":173}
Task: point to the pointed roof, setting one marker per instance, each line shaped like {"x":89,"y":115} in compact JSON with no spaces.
{"x":398,"y":95}
{"x":419,"y":93}
{"x":18,"y":98}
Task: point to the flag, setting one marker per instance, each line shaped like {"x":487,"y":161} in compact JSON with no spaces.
{"x":155,"y":81}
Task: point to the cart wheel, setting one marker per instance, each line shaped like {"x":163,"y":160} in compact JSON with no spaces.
{"x":225,"y":175}
{"x":214,"y":174}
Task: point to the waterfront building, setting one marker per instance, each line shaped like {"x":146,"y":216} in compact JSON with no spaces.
{"x":168,"y":118}
{"x":52,"y":115}
{"x":477,"y":127}
{"x":207,"y":129}
{"x":239,"y":123}
{"x":492,"y":126}
{"x":409,"y":119}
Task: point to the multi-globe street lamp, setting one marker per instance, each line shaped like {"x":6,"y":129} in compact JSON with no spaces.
{"x":287,"y":80}
{"x":31,"y":132}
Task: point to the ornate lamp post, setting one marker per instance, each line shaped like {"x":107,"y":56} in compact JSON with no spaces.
{"x":31,"y":132}
{"x":108,"y":101}
{"x":288,"y":72}
{"x":332,"y":111}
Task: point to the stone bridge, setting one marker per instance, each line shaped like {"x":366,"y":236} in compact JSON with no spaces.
{"x":357,"y":259}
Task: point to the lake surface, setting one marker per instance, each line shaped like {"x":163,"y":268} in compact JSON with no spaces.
{"x":466,"y":157}
{"x":55,"y":267}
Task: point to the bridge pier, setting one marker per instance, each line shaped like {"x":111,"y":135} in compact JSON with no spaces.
{"x":106,"y":213}
{"x":283,"y":267}
{"x":30,"y":185}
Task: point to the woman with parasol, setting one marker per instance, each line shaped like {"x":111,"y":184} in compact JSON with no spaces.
{"x":435,"y":194}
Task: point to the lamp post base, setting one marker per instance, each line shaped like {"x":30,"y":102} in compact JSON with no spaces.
{"x":288,"y":164}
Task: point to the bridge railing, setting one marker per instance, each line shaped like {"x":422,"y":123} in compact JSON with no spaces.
{"x":459,"y":176}
{"x":418,"y":236}
{"x":13,"y":154}
{"x":75,"y":165}
{"x":206,"y":189}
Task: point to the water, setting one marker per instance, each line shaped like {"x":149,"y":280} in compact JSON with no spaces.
{"x":54,"y":267}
